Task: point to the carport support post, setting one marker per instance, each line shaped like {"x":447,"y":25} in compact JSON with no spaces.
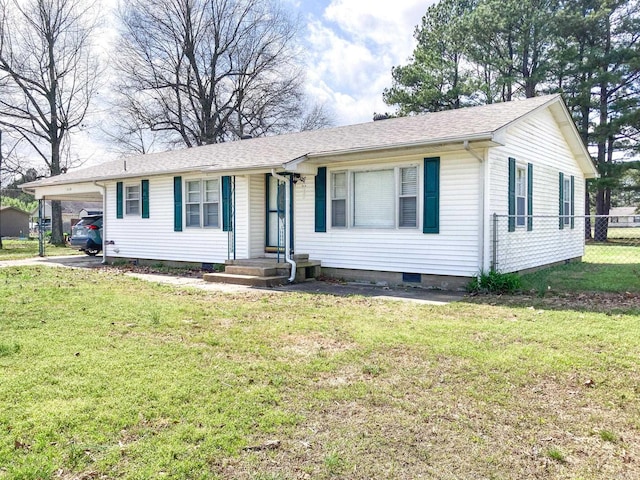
{"x":40,"y":227}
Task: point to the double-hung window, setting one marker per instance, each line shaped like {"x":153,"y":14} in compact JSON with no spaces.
{"x":202,"y":203}
{"x":566,"y":201}
{"x":339,"y":199}
{"x":385,"y":198}
{"x":132,"y":199}
{"x":521,"y":196}
{"x":408,"y":202}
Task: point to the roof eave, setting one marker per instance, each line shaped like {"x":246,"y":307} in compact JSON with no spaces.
{"x":409,"y":148}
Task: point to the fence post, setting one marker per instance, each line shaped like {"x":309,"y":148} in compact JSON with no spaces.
{"x":494,"y":259}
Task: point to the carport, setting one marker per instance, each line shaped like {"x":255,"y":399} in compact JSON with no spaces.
{"x":79,"y":192}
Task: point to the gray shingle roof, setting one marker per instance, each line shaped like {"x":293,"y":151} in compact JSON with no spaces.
{"x":273,"y":152}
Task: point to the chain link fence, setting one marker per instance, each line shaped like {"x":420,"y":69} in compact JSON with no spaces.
{"x":608,"y":246}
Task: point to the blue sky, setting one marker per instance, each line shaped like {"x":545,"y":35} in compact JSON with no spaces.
{"x":352,"y":46}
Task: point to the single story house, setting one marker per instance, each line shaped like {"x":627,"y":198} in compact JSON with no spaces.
{"x":13,"y":222}
{"x":401,"y":200}
{"x":624,"y":217}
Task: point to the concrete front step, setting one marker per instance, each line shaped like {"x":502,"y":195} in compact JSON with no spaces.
{"x":255,"y":270}
{"x":249,"y":280}
{"x":265,"y":272}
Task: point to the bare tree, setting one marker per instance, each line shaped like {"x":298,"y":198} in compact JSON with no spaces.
{"x":47,"y":77}
{"x":318,"y":116}
{"x":208,"y":71}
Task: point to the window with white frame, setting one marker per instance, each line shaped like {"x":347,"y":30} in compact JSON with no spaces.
{"x":408,"y":202}
{"x":202,"y":203}
{"x":521,"y":196}
{"x":385,"y":198}
{"x":132,"y":199}
{"x":339,"y":199}
{"x":566,"y":201}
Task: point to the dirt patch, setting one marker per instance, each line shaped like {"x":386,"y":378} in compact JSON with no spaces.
{"x":605,"y":302}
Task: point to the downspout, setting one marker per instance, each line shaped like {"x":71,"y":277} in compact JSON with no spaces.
{"x":485,"y":229}
{"x":287,"y":230}
{"x":104,"y":221}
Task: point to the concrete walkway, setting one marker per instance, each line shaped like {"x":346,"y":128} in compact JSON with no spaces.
{"x":416,"y":295}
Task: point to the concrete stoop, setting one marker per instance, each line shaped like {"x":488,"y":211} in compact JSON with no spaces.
{"x":265,"y":272}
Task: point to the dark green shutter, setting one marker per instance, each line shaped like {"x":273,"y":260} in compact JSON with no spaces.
{"x":177,"y":204}
{"x":119,"y":189}
{"x":561,"y":209}
{"x":573,"y":201}
{"x":321,"y":199}
{"x":512,"y":194}
{"x":431,"y":213}
{"x":529,"y":197}
{"x":227,"y":220}
{"x":145,"y":198}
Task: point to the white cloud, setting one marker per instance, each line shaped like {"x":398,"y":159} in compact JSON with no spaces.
{"x":352,"y":49}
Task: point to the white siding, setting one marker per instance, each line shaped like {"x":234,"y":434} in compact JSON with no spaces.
{"x":154,"y":237}
{"x":536,"y":140}
{"x":454,"y":251}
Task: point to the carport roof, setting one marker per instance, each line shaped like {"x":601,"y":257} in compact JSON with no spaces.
{"x":440,"y":128}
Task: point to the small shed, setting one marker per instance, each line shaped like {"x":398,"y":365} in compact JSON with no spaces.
{"x":13,"y":222}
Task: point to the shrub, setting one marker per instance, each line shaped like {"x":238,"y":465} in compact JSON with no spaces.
{"x":495,"y":282}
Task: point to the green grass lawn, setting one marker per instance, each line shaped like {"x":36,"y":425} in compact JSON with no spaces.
{"x":19,"y":249}
{"x":106,"y":376}
{"x":610,"y":267}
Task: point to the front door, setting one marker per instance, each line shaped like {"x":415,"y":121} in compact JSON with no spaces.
{"x":276,"y":217}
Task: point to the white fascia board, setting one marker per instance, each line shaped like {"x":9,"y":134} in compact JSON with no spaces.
{"x":568,"y":128}
{"x":571,"y":134}
{"x":84,"y":191}
{"x":310,"y":161}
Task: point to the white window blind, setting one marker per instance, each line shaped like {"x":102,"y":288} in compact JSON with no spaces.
{"x":521,"y":196}
{"x":374,"y":199}
{"x":408,"y":203}
{"x":566,"y":210}
{"x":339,"y":199}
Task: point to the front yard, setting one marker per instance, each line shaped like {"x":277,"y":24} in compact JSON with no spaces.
{"x":19,"y":249}
{"x":105,"y":376}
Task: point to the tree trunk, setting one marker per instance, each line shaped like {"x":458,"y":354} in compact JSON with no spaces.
{"x":57,"y":237}
{"x":602,"y":222}
{"x":587,"y":213}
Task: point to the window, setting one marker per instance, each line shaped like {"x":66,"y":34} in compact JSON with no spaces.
{"x":132,"y":199}
{"x":373,"y":199}
{"x":202,"y":203}
{"x":211,"y":210}
{"x":636,"y":219}
{"x":408,"y":208}
{"x":614,"y":220}
{"x":386,"y":198}
{"x":339,"y":199}
{"x":521,"y":196}
{"x":566,"y":201}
